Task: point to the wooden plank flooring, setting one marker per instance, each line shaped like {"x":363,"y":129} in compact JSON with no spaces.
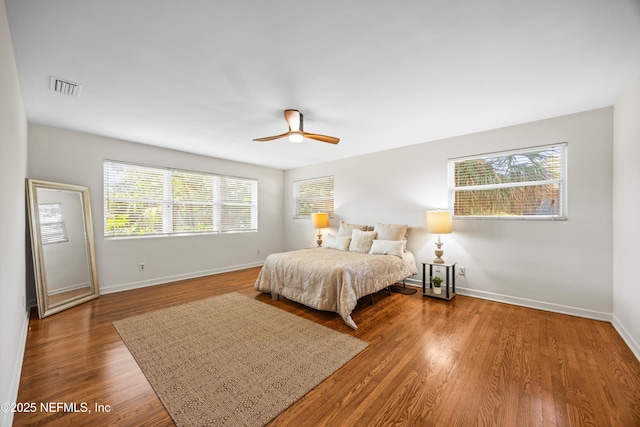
{"x":429,"y":363}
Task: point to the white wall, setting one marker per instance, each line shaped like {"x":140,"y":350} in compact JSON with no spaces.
{"x":563,"y":266}
{"x":13,"y":167}
{"x":76,"y":158}
{"x":626,"y":205}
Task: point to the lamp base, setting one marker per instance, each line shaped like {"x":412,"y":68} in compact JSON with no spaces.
{"x":319,"y":241}
{"x":439,"y":253}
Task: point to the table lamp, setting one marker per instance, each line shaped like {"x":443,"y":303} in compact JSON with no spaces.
{"x":320,"y":220}
{"x":439,"y":222}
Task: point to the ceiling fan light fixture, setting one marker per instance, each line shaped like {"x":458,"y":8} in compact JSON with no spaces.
{"x":296,"y":132}
{"x":296,"y":136}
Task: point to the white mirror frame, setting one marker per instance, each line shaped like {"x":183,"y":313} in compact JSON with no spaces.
{"x":44,"y":307}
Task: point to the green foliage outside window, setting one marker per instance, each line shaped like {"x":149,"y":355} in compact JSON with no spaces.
{"x":141,"y":200}
{"x":514,"y":184}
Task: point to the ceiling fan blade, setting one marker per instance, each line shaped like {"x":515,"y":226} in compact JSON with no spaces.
{"x":323,"y":138}
{"x":270,"y":138}
{"x":294,"y":119}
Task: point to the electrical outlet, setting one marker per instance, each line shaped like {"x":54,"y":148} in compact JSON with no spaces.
{"x":141,"y":266}
{"x":463,"y":271}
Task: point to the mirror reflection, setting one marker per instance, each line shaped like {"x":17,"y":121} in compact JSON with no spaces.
{"x":62,"y":243}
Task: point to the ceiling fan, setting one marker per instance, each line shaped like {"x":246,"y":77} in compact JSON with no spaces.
{"x":296,"y":132}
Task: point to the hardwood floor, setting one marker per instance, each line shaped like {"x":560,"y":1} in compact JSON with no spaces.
{"x":429,"y":363}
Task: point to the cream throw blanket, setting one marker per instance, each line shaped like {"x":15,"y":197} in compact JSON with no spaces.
{"x":330,"y":279}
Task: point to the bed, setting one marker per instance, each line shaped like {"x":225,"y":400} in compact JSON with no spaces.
{"x":333,"y":278}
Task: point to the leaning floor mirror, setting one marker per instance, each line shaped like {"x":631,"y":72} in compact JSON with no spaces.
{"x":62,"y":245}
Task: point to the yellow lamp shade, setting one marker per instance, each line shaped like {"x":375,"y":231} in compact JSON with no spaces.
{"x":320,"y":220}
{"x":439,"y":222}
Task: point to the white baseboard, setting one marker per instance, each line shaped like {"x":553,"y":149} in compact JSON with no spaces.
{"x":526,"y":302}
{"x":69,"y":288}
{"x":414,"y":282}
{"x":626,"y":336}
{"x":540,"y":305}
{"x":6,"y":418}
{"x":160,"y":280}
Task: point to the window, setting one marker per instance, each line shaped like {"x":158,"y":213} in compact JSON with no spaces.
{"x":145,"y":200}
{"x":52,"y":228}
{"x":313,"y":195}
{"x":523,"y":184}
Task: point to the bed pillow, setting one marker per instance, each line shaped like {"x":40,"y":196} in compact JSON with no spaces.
{"x":337,"y":242}
{"x":361,"y":241}
{"x":392,"y":231}
{"x":388,"y":247}
{"x":346,"y":229}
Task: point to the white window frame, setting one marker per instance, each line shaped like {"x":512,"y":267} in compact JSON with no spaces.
{"x":560,"y":182}
{"x":168,"y":201}
{"x":323,"y":203}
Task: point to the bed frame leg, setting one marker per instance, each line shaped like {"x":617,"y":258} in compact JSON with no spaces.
{"x":371,"y":297}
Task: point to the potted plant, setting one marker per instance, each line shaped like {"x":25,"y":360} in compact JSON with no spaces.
{"x":437,"y":283}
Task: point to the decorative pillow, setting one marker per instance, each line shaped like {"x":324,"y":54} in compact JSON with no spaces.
{"x":361,"y":241}
{"x":388,"y":247}
{"x":392,"y":231}
{"x":346,"y":229}
{"x":337,"y":242}
{"x":404,"y":244}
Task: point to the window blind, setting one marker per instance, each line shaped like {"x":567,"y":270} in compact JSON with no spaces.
{"x":146,"y":200}
{"x":52,"y":228}
{"x":313,"y":195}
{"x":528,"y":183}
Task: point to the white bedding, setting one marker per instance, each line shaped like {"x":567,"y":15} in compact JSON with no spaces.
{"x":330,"y":279}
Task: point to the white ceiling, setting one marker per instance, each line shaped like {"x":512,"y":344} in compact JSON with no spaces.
{"x":207,"y":76}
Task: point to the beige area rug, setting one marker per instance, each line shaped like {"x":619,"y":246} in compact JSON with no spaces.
{"x":231,"y":360}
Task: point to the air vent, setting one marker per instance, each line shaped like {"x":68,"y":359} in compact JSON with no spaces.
{"x":64,"y":87}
